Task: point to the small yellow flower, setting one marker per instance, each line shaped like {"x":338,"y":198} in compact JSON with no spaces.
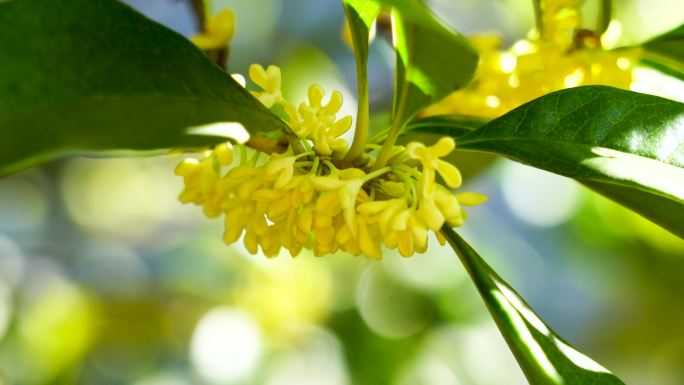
{"x":224,"y":154}
{"x":429,"y":158}
{"x":269,"y":81}
{"x":318,"y":122}
{"x":280,"y":168}
{"x":218,"y":31}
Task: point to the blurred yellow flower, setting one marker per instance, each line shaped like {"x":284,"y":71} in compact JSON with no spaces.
{"x":286,"y":297}
{"x":561,"y":56}
{"x":218,"y":31}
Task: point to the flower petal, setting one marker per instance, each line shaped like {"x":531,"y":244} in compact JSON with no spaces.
{"x":449,"y":172}
{"x":471,"y":198}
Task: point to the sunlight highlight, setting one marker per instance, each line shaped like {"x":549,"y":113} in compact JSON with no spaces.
{"x":228,"y":130}
{"x":523,"y":309}
{"x":639,"y":170}
{"x":523,"y":334}
{"x":578,"y":358}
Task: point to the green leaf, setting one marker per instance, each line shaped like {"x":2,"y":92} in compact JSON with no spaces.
{"x":666,"y":52}
{"x":361,"y":15}
{"x":542,"y":355}
{"x":431,"y":60}
{"x":598,"y":134}
{"x":88,"y":76}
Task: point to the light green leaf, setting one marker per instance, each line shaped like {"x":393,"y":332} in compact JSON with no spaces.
{"x":666,"y":52}
{"x":431,"y":60}
{"x":542,"y":355}
{"x":361,"y":15}
{"x":89,"y":76}
{"x":602,"y":135}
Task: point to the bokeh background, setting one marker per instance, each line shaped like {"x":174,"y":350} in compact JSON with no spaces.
{"x":105,"y":278}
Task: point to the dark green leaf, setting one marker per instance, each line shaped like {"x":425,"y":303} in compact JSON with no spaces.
{"x":597,"y":134}
{"x":543,"y":356}
{"x":82,"y":76}
{"x":361,"y":15}
{"x":431,"y":60}
{"x":666,"y":52}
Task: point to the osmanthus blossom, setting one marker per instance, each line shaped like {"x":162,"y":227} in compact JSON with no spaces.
{"x":561,"y":55}
{"x":311,"y":197}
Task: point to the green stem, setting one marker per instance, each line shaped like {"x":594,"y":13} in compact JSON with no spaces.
{"x":376,"y":174}
{"x":538,"y":17}
{"x":605,"y":14}
{"x":299,"y":156}
{"x":386,"y":150}
{"x":331,"y":167}
{"x":361,"y":132}
{"x":410,"y":182}
{"x":363,"y":109}
{"x":378,"y":136}
{"x":314,"y":167}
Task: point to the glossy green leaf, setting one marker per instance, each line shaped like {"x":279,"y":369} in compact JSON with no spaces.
{"x":597,"y":134}
{"x":88,"y":76}
{"x":361,"y":15}
{"x":543,"y":356}
{"x":431,"y":60}
{"x":666,"y":52}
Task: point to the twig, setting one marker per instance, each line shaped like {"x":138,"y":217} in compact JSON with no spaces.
{"x":200,"y":13}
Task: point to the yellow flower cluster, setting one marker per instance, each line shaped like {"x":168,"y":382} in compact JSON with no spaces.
{"x":313,"y":199}
{"x":562,"y":57}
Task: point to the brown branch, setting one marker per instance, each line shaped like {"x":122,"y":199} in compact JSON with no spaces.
{"x":200,"y":13}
